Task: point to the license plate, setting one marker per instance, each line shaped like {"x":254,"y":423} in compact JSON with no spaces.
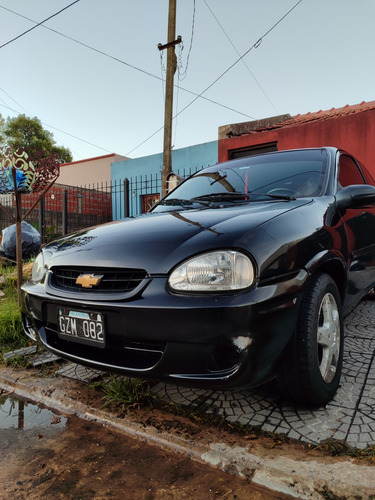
{"x":81,"y":326}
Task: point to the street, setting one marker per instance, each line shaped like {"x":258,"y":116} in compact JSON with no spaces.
{"x":45,"y":455}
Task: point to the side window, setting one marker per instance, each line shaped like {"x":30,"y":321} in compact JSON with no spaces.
{"x":349,"y":172}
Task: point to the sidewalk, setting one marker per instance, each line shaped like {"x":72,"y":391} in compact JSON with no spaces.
{"x":349,"y":418}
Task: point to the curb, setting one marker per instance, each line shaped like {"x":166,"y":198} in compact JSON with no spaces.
{"x":303,"y":479}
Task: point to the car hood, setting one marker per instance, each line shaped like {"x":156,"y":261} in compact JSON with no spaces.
{"x":158,"y":241}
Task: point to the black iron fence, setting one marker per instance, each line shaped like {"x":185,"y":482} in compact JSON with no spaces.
{"x":65,"y":209}
{"x":143,"y":191}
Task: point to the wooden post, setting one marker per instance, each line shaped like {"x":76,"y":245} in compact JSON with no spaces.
{"x":17,"y":197}
{"x":169,"y":82}
{"x":41,"y":219}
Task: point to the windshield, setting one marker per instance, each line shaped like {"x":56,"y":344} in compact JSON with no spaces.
{"x":284,"y":175}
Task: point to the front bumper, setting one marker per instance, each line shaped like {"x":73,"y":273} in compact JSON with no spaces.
{"x":231,"y":340}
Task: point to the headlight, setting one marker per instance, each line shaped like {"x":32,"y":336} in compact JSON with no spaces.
{"x":39,"y":268}
{"x":213,"y":272}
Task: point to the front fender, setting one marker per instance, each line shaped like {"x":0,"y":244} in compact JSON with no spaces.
{"x":332,"y":263}
{"x":322,"y":258}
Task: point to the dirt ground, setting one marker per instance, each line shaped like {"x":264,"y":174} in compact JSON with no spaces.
{"x":84,"y":460}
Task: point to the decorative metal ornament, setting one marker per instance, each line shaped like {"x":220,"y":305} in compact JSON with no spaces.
{"x":24,"y":171}
{"x":21,"y":173}
{"x":47,"y":170}
{"x":32,"y":173}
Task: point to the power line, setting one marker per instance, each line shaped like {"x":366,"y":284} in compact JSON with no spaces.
{"x":55,"y":128}
{"x":254,"y":46}
{"x":27,"y":112}
{"x":10,"y":97}
{"x":235,"y":48}
{"x":38,"y":24}
{"x":123,"y":62}
{"x":197,"y":96}
{"x":182,"y":74}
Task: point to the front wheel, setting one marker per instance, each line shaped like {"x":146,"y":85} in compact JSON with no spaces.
{"x":310,"y":371}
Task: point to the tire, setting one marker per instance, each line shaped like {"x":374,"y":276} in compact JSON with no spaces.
{"x":310,"y":371}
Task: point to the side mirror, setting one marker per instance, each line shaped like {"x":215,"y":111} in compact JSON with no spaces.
{"x":355,"y":196}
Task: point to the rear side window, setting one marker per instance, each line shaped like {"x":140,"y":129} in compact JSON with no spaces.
{"x":349,"y":172}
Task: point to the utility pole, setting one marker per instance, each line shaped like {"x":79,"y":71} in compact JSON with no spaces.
{"x":169,"y":83}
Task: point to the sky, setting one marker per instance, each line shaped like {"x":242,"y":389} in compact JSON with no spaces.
{"x":95,"y":78}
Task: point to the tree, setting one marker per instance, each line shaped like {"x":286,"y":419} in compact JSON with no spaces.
{"x":2,"y":124}
{"x":28,"y":133}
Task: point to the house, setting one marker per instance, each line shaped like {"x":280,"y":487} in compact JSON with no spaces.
{"x":351,"y":128}
{"x":91,"y":171}
{"x":140,"y":178}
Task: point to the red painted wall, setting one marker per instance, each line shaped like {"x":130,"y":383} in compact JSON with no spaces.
{"x":80,"y":200}
{"x":353,"y":132}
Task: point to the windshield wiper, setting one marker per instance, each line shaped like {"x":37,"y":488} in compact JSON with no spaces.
{"x":235,"y":195}
{"x":182,"y":202}
{"x":175,"y":201}
{"x":206,"y":199}
{"x":221,"y":196}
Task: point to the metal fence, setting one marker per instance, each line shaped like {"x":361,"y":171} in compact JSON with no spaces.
{"x":142,"y":192}
{"x":65,"y":209}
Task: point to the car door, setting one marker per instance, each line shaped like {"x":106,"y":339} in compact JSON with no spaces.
{"x":360,"y":232}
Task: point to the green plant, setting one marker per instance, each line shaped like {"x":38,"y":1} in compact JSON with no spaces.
{"x":18,"y":362}
{"x":125,"y":392}
{"x":11,"y":331}
{"x":50,"y":233}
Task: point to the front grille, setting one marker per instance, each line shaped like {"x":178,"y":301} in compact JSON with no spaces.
{"x":113,"y":280}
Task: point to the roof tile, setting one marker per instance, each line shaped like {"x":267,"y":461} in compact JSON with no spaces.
{"x":323,"y":115}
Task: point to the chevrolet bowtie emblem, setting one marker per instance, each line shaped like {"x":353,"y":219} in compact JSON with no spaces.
{"x":89,"y":280}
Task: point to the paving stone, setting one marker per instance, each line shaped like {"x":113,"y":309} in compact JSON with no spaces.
{"x":25,"y":351}
{"x":45,"y":359}
{"x":365,"y":437}
{"x":227,"y":412}
{"x":79,"y":372}
{"x":339,"y":436}
{"x":294,"y":435}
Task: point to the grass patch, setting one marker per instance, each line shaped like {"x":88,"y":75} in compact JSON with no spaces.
{"x":11,"y":331}
{"x":124,"y":392}
{"x":333,"y":448}
{"x":368,"y":454}
{"x":127,"y":393}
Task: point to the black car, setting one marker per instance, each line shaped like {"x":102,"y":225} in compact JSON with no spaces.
{"x":243,"y":273}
